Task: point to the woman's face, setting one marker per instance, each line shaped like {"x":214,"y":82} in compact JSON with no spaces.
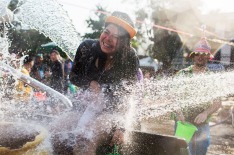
{"x":29,"y":66}
{"x":53,"y":57}
{"x":109,"y":39}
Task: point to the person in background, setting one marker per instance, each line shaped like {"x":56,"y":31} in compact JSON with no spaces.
{"x":57,"y":72}
{"x":67,"y":69}
{"x":24,"y":90}
{"x":199,"y":115}
{"x":67,"y":66}
{"x":39,"y":68}
{"x":148,"y":72}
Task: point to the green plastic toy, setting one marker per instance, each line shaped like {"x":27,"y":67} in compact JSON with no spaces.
{"x":72,"y":88}
{"x":115,"y":151}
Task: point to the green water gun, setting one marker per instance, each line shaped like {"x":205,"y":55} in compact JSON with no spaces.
{"x":72,"y":88}
{"x":115,"y":151}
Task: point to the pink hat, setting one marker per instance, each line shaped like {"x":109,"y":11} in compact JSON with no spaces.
{"x":202,"y":47}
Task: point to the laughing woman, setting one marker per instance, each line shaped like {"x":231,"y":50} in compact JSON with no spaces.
{"x":101,"y":65}
{"x":108,"y":60}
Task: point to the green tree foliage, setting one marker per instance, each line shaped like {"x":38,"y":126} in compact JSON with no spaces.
{"x":26,"y":40}
{"x":96,"y":25}
{"x":166,"y":48}
{"x":167,"y":44}
{"x":137,"y":41}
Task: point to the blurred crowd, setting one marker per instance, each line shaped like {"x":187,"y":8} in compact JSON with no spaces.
{"x":50,"y":69}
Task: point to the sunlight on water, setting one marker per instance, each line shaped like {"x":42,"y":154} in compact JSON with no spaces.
{"x":155,"y":98}
{"x":49,"y":18}
{"x":163,"y":96}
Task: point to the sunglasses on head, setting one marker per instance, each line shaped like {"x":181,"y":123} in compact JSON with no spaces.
{"x":197,"y":54}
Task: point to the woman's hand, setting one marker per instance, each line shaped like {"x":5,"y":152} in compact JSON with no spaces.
{"x":201,"y":118}
{"x":94,"y":86}
{"x":118,"y":138}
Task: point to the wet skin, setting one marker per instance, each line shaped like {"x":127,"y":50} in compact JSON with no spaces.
{"x":109,"y":40}
{"x":201,"y":59}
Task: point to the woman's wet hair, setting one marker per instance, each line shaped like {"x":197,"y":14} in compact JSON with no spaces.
{"x":122,"y":66}
{"x":121,"y":57}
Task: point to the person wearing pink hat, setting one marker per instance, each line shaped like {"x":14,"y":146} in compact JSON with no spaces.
{"x":200,"y":55}
{"x":199,"y":116}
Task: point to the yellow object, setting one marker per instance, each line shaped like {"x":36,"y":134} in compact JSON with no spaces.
{"x":112,"y":19}
{"x":23,"y":89}
{"x":29,"y":148}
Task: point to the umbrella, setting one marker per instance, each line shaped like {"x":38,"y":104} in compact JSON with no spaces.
{"x":48,"y":47}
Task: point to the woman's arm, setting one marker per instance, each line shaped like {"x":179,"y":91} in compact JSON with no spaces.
{"x":78,"y":75}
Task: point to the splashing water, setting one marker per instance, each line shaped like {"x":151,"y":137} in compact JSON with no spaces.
{"x":34,"y":19}
{"x":49,"y":18}
{"x":156,"y":99}
{"x":160,"y":97}
{"x":11,"y":108}
{"x":93,"y":109}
